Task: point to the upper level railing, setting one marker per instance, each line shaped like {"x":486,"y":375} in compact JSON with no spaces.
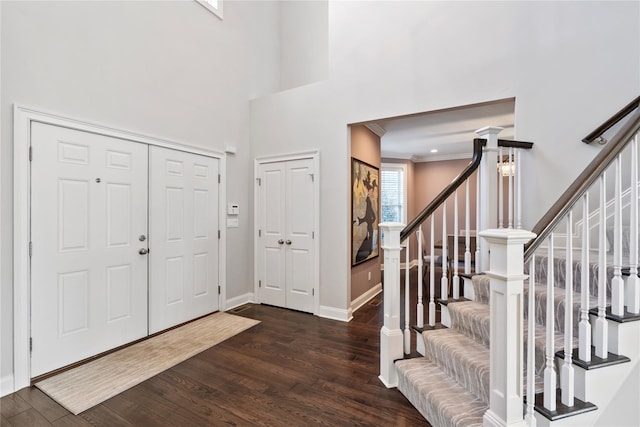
{"x":596,"y":135}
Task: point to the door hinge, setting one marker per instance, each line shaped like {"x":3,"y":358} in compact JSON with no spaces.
{"x":259,"y":181}
{"x":30,"y":153}
{"x":30,"y":249}
{"x":219,"y":291}
{"x":312,"y":177}
{"x":259,"y":283}
{"x":30,"y":344}
{"x":313,"y":234}
{"x":218,"y":234}
{"x":259,"y":233}
{"x":219,"y":178}
{"x":313,"y":292}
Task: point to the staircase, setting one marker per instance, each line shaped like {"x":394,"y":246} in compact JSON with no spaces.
{"x":500,"y":359}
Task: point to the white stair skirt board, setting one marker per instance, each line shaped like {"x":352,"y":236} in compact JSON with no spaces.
{"x":469,"y":291}
{"x":335,"y":313}
{"x":234,"y":302}
{"x":445,"y":318}
{"x":366,"y":297}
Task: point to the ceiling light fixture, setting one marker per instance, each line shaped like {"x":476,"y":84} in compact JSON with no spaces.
{"x":434,"y":150}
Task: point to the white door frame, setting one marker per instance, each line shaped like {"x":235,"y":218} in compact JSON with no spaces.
{"x":22,"y":118}
{"x":314,"y":155}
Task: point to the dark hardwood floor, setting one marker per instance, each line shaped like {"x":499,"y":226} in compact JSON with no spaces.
{"x":293,"y":369}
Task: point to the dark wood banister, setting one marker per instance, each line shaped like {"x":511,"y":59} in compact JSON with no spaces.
{"x":585,"y":180}
{"x":478,"y":143}
{"x":597,"y":133}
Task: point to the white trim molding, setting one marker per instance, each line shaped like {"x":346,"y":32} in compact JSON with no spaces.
{"x":334,"y":313}
{"x":22,"y":118}
{"x":365,"y":298}
{"x":6,"y":385}
{"x":376,"y":128}
{"x":234,"y":302}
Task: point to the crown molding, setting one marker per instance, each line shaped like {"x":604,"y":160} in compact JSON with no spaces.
{"x":375,"y":128}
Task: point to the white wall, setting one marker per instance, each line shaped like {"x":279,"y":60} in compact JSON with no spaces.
{"x":569,"y":65}
{"x":166,"y":69}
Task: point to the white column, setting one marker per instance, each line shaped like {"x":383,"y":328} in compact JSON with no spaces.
{"x":390,"y":333}
{"x":506,"y":327}
{"x":488,"y":202}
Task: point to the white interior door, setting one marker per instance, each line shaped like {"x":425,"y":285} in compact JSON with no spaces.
{"x":88,"y":280}
{"x":183,"y":237}
{"x":286,"y":252}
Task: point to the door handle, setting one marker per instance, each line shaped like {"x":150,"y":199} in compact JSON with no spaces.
{"x":280,"y":241}
{"x":143,"y":251}
{"x":288,"y":242}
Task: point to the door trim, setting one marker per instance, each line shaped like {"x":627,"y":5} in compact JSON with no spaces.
{"x":314,"y":155}
{"x":23,"y":116}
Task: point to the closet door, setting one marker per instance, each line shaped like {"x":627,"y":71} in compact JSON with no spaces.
{"x":286,"y":211}
{"x":183,"y":237}
{"x":88,"y":277}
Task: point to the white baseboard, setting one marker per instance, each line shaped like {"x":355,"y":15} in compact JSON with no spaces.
{"x":335,"y":313}
{"x":239,"y":300}
{"x":6,"y":385}
{"x":366,"y":297}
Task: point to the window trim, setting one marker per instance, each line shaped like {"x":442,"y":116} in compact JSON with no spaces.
{"x":403,"y":167}
{"x":216,"y":11}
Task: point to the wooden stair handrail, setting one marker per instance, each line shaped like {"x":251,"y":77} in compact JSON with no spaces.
{"x":597,"y":133}
{"x":582,"y":183}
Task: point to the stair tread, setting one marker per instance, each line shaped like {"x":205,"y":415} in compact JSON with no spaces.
{"x":439,"y":398}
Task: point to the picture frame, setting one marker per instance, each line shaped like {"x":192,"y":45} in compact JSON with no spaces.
{"x":365,"y":211}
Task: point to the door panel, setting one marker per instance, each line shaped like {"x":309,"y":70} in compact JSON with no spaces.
{"x":88,"y":282}
{"x":286,"y":209}
{"x":183,"y":237}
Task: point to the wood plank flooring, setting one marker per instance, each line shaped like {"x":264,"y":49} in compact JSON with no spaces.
{"x":293,"y":369}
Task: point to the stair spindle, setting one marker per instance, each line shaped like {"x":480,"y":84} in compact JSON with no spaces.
{"x":584,"y":331}
{"x":550,"y":370}
{"x":567,"y":375}
{"x":407,"y":332}
{"x":601,"y":332}
{"x":633,"y":284}
{"x":617,"y":284}
{"x":500,"y":190}
{"x":432,"y":276}
{"x":518,"y":173}
{"x":454,"y":257}
{"x":531,"y":345}
{"x":478,"y":265}
{"x":467,"y":234}
{"x":510,"y":216}
{"x":419,"y":307}
{"x":444,"y":283}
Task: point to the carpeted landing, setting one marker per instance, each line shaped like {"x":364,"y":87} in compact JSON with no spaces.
{"x":92,"y":383}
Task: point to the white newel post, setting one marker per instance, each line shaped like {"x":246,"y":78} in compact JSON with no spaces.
{"x":489,"y":187}
{"x":506,"y":270}
{"x":391,"y":338}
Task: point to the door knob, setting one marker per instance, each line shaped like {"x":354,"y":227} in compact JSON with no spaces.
{"x":288,"y":242}
{"x":143,"y":251}
{"x":280,"y":241}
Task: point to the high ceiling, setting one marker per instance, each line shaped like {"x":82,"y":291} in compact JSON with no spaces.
{"x":450,"y":132}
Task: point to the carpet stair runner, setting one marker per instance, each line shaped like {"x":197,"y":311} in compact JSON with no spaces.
{"x":450,"y":384}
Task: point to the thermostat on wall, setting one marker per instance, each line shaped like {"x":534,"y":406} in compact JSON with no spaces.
{"x":233,"y":209}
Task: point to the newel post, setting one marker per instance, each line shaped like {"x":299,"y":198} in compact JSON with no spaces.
{"x":391,"y":338}
{"x":506,"y":270}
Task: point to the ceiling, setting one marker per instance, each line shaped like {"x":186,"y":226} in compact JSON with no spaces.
{"x":450,"y":132}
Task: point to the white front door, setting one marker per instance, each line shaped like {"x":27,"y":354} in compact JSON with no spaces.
{"x":88,"y":211}
{"x":183,"y":237}
{"x":286,"y":256}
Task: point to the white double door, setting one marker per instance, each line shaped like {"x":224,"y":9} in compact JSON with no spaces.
{"x":286,"y":209}
{"x":105,"y":212}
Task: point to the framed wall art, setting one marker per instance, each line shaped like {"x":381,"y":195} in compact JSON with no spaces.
{"x":365,"y":197}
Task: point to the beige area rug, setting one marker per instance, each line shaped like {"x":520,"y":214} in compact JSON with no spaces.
{"x":90,"y":384}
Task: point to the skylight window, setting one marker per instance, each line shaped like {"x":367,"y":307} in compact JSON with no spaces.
{"x":214,"y":6}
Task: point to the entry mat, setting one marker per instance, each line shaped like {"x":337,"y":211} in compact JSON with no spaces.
{"x":81,"y":388}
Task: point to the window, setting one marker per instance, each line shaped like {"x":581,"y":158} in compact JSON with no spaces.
{"x":214,"y":6}
{"x":393,"y":192}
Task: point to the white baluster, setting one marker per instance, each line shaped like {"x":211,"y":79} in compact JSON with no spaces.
{"x":500,"y":190}
{"x":550,"y":370}
{"x":633,"y":282}
{"x":511,"y":187}
{"x":432,"y":277}
{"x":584,"y":330}
{"x":478,"y":266}
{"x":467,"y":234}
{"x":567,"y":375}
{"x":601,"y":331}
{"x":617,"y":284}
{"x":407,"y":273}
{"x":454,"y":257}
{"x":420,"y":307}
{"x":444,"y":283}
{"x":518,"y":173}
{"x":531,"y":345}
{"x":390,"y":333}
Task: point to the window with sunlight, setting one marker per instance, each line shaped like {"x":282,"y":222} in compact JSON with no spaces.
{"x":393,"y":192}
